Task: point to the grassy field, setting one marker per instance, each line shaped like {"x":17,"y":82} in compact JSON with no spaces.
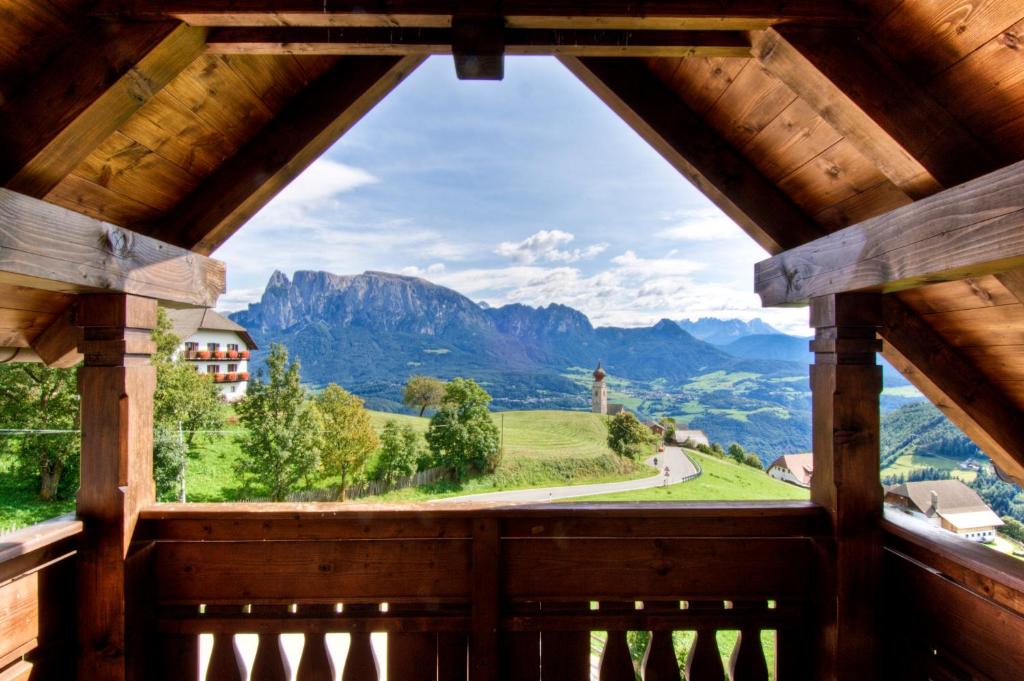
{"x":722,"y":480}
{"x":911,"y":462}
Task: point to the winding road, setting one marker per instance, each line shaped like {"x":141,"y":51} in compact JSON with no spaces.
{"x":679,"y":466}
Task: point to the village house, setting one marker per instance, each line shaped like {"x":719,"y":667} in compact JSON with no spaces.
{"x":949,"y":504}
{"x":217,"y":346}
{"x":691,"y":437}
{"x":793,"y":468}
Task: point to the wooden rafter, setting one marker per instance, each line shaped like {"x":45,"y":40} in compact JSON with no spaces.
{"x":84,"y":95}
{"x":1014,"y":282}
{"x":57,"y":345}
{"x":851,"y":83}
{"x":695,"y":149}
{"x":45,"y":246}
{"x":603,"y":14}
{"x":283,"y":149}
{"x":955,"y":386}
{"x":973,"y":229}
{"x":428,"y":41}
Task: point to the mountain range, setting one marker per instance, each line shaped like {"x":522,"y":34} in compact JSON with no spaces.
{"x":369,"y":332}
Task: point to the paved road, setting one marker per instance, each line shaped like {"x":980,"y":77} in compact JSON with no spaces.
{"x":679,"y":467}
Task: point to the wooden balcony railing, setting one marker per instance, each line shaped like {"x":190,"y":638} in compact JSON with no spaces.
{"x":37,"y":598}
{"x":953,"y":609}
{"x":484,"y":593}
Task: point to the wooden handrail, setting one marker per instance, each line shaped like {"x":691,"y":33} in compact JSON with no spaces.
{"x":954,"y":608}
{"x":32,"y":547}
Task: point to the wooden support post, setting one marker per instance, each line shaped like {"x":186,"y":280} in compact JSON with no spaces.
{"x":116,"y":385}
{"x":845,"y":385}
{"x":483,"y":635}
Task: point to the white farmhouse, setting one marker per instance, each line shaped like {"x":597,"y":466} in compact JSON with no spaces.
{"x":796,"y":469}
{"x":949,"y":504}
{"x":217,"y":346}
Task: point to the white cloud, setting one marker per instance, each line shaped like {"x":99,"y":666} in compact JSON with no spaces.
{"x":323,"y":179}
{"x":429,"y":271}
{"x":700,"y":225}
{"x":237,"y":299}
{"x":545,"y":246}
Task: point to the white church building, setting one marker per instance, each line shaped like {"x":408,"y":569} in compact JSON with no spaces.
{"x":217,"y":346}
{"x":599,"y":395}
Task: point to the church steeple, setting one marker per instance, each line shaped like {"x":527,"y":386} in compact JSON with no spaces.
{"x":599,"y":392}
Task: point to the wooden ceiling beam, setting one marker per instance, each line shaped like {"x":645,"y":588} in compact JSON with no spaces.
{"x":84,"y":95}
{"x":44,"y":246}
{"x":971,"y":230}
{"x":852,"y":84}
{"x":430,"y":41}
{"x":307,"y":126}
{"x":955,"y":386}
{"x":598,"y":14}
{"x":697,"y":151}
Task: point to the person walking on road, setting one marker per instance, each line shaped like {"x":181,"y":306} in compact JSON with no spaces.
{"x":666,"y":477}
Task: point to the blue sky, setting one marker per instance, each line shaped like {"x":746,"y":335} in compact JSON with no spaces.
{"x":527,"y":190}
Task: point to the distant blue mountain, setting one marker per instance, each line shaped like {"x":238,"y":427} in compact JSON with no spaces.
{"x":771,"y":346}
{"x":724,"y":331}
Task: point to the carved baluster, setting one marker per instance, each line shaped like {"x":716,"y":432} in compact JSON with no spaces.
{"x":179,"y":657}
{"x":704,"y":663}
{"x":660,"y":662}
{"x":565,"y":655}
{"x":226,"y":662}
{"x":270,"y":663}
{"x":747,"y":662}
{"x":520,"y":650}
{"x":452,"y":657}
{"x":361,"y":663}
{"x":315,"y":663}
{"x":616,"y":663}
{"x":411,"y":656}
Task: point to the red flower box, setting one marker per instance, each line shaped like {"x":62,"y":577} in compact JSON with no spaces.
{"x":244,"y":354}
{"x":220,"y":354}
{"x":232,"y":354}
{"x":204,"y":354}
{"x":219,"y":378}
{"x":232,"y":378}
{"x":244,"y":376}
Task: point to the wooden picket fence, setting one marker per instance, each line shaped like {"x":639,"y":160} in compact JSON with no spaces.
{"x":368,"y":488}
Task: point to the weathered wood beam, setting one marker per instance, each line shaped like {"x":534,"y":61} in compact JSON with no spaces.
{"x":956,"y":387}
{"x":429,"y":41}
{"x":95,"y":85}
{"x":48,"y":247}
{"x":851,"y":83}
{"x":57,"y":345}
{"x":601,"y":14}
{"x":307,"y":126}
{"x":697,"y":151}
{"x":971,"y":230}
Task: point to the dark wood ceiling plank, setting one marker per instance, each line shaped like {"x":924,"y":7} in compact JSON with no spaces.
{"x":302,"y":131}
{"x":955,"y":386}
{"x":973,"y":229}
{"x":48,"y":247}
{"x":428,"y":41}
{"x":863,"y":94}
{"x":647,"y":105}
{"x":557,"y":14}
{"x":82,"y":97}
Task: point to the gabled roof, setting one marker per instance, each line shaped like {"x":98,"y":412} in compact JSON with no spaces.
{"x":184,"y":323}
{"x":954,"y":496}
{"x":800,"y":465}
{"x":800,"y":119}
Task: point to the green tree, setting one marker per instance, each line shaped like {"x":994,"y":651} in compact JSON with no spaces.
{"x":670,"y":430}
{"x":38,"y":398}
{"x":627,"y":436}
{"x":423,"y":392}
{"x":754,"y":461}
{"x":281,"y":442}
{"x":399,"y":450}
{"x":737,"y":453}
{"x":185,"y":402}
{"x":347,"y":438}
{"x":462,"y":435}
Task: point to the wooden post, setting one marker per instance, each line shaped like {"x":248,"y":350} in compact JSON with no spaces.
{"x":116,"y":385}
{"x":845,"y":385}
